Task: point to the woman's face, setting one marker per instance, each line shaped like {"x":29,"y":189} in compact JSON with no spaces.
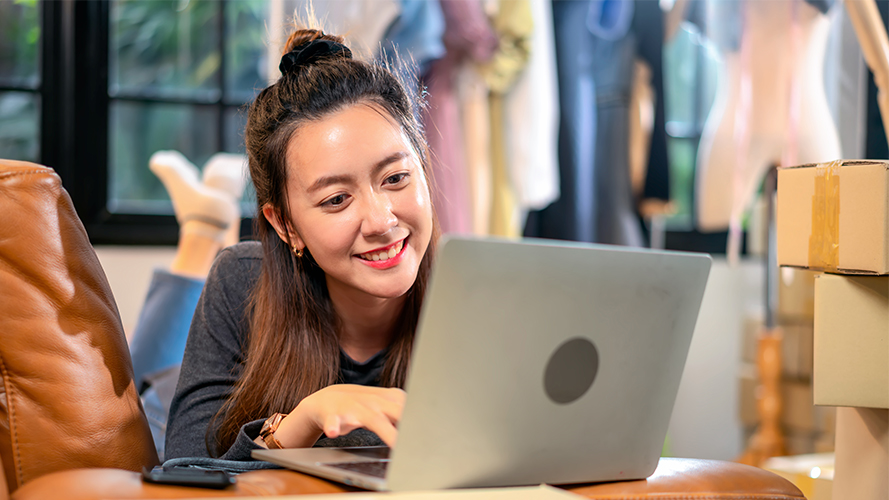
{"x":359,"y":201}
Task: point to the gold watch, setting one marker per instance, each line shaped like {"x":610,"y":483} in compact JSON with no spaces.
{"x":267,"y":433}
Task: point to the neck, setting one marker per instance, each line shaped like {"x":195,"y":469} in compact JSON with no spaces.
{"x":367,"y":323}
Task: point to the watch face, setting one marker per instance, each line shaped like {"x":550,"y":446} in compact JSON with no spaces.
{"x":267,"y":433}
{"x":271,"y":424}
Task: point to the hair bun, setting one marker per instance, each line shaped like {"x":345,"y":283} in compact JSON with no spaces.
{"x":311,"y":51}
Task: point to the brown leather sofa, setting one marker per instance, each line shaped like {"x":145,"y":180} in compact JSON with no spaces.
{"x":71,"y":424}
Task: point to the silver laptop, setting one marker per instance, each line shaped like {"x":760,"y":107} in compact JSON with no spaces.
{"x":535,"y":362}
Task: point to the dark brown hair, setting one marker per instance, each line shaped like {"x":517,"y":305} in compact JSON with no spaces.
{"x":293,"y":347}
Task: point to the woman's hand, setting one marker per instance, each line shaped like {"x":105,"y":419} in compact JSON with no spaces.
{"x":339,"y":409}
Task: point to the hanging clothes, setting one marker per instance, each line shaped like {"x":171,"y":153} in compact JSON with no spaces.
{"x":475,"y":118}
{"x":572,"y":215}
{"x":415,"y":36}
{"x":614,"y":52}
{"x":648,"y":24}
{"x":514,"y":25}
{"x":441,"y":119}
{"x":363,"y":24}
{"x":466,"y":37}
{"x":532,"y":120}
{"x":597,"y":42}
{"x":479,"y":42}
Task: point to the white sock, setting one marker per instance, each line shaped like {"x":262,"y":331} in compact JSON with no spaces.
{"x":193,"y":201}
{"x":228,"y":172}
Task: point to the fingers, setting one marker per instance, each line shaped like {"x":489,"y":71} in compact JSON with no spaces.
{"x":377,"y":422}
{"x":390,"y":400}
{"x":333,"y":426}
{"x":373,"y":408}
{"x":384,"y":428}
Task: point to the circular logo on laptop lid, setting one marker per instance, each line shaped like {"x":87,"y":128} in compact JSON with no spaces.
{"x":571,"y":370}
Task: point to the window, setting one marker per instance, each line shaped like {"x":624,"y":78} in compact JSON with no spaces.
{"x":179,"y":73}
{"x":125,"y":78}
{"x":20,"y":99}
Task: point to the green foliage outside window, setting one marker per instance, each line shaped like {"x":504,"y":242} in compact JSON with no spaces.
{"x":19,"y":38}
{"x":19,"y":61}
{"x":177,"y":78}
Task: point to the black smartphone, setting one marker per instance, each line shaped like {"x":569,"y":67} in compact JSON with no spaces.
{"x":217,"y":479}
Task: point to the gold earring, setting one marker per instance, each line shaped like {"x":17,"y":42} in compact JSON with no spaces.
{"x":298,"y":253}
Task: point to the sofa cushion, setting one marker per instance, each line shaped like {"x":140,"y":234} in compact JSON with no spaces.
{"x":68,"y":399}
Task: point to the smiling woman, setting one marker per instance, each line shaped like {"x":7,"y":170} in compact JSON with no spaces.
{"x":356,"y":190}
{"x":309,"y":333}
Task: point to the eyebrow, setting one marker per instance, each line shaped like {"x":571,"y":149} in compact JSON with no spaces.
{"x":328,"y":180}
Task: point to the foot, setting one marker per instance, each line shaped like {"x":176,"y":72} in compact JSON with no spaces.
{"x":228,"y":172}
{"x":199,"y":209}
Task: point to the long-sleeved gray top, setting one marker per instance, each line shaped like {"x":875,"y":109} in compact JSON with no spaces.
{"x":214,"y":358}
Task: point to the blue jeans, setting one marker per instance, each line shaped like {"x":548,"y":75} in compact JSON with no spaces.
{"x":159,"y":339}
{"x":159,"y":343}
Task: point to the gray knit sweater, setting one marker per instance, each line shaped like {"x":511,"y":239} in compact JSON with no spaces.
{"x":214,"y":357}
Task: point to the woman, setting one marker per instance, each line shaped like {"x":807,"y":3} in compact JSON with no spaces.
{"x":308,"y":333}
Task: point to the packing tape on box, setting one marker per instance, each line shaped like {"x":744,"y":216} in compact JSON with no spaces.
{"x":824,"y":242}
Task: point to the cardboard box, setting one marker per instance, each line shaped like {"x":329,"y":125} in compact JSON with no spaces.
{"x":790,"y":352}
{"x":803,"y":336}
{"x":851,"y":341}
{"x":799,"y":415}
{"x":796,"y":346}
{"x":834,"y":216}
{"x":796,"y":295}
{"x":799,"y":412}
{"x":800,"y":443}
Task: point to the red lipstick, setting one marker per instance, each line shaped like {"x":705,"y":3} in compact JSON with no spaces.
{"x":387,"y":263}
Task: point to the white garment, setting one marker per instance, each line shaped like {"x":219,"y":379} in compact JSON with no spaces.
{"x":532,"y":119}
{"x":363,"y":23}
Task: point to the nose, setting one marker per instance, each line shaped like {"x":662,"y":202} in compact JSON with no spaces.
{"x":378,"y":218}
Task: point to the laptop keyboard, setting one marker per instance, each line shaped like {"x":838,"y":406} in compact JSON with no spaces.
{"x":373,"y":468}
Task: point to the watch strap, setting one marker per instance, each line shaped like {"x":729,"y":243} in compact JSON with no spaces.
{"x":267,"y":433}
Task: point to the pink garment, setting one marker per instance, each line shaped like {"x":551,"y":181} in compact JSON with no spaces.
{"x":468,"y":36}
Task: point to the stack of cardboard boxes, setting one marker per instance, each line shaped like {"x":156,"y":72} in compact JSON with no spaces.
{"x":806,"y":428}
{"x":834,"y":218}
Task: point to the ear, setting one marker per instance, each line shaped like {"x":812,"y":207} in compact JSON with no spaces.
{"x":283,"y":228}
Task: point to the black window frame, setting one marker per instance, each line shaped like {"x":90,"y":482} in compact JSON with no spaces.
{"x":35,"y":87}
{"x":75,"y":118}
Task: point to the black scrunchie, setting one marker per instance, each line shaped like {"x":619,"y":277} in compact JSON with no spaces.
{"x":310,"y":52}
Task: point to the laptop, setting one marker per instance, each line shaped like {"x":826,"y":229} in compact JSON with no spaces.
{"x":535,"y":361}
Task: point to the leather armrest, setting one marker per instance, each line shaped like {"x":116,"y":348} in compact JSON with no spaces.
{"x":675,"y":478}
{"x":689,"y":479}
{"x":67,"y":395}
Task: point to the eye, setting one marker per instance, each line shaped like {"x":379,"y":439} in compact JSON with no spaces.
{"x":335,"y":201}
{"x":396,"y":178}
